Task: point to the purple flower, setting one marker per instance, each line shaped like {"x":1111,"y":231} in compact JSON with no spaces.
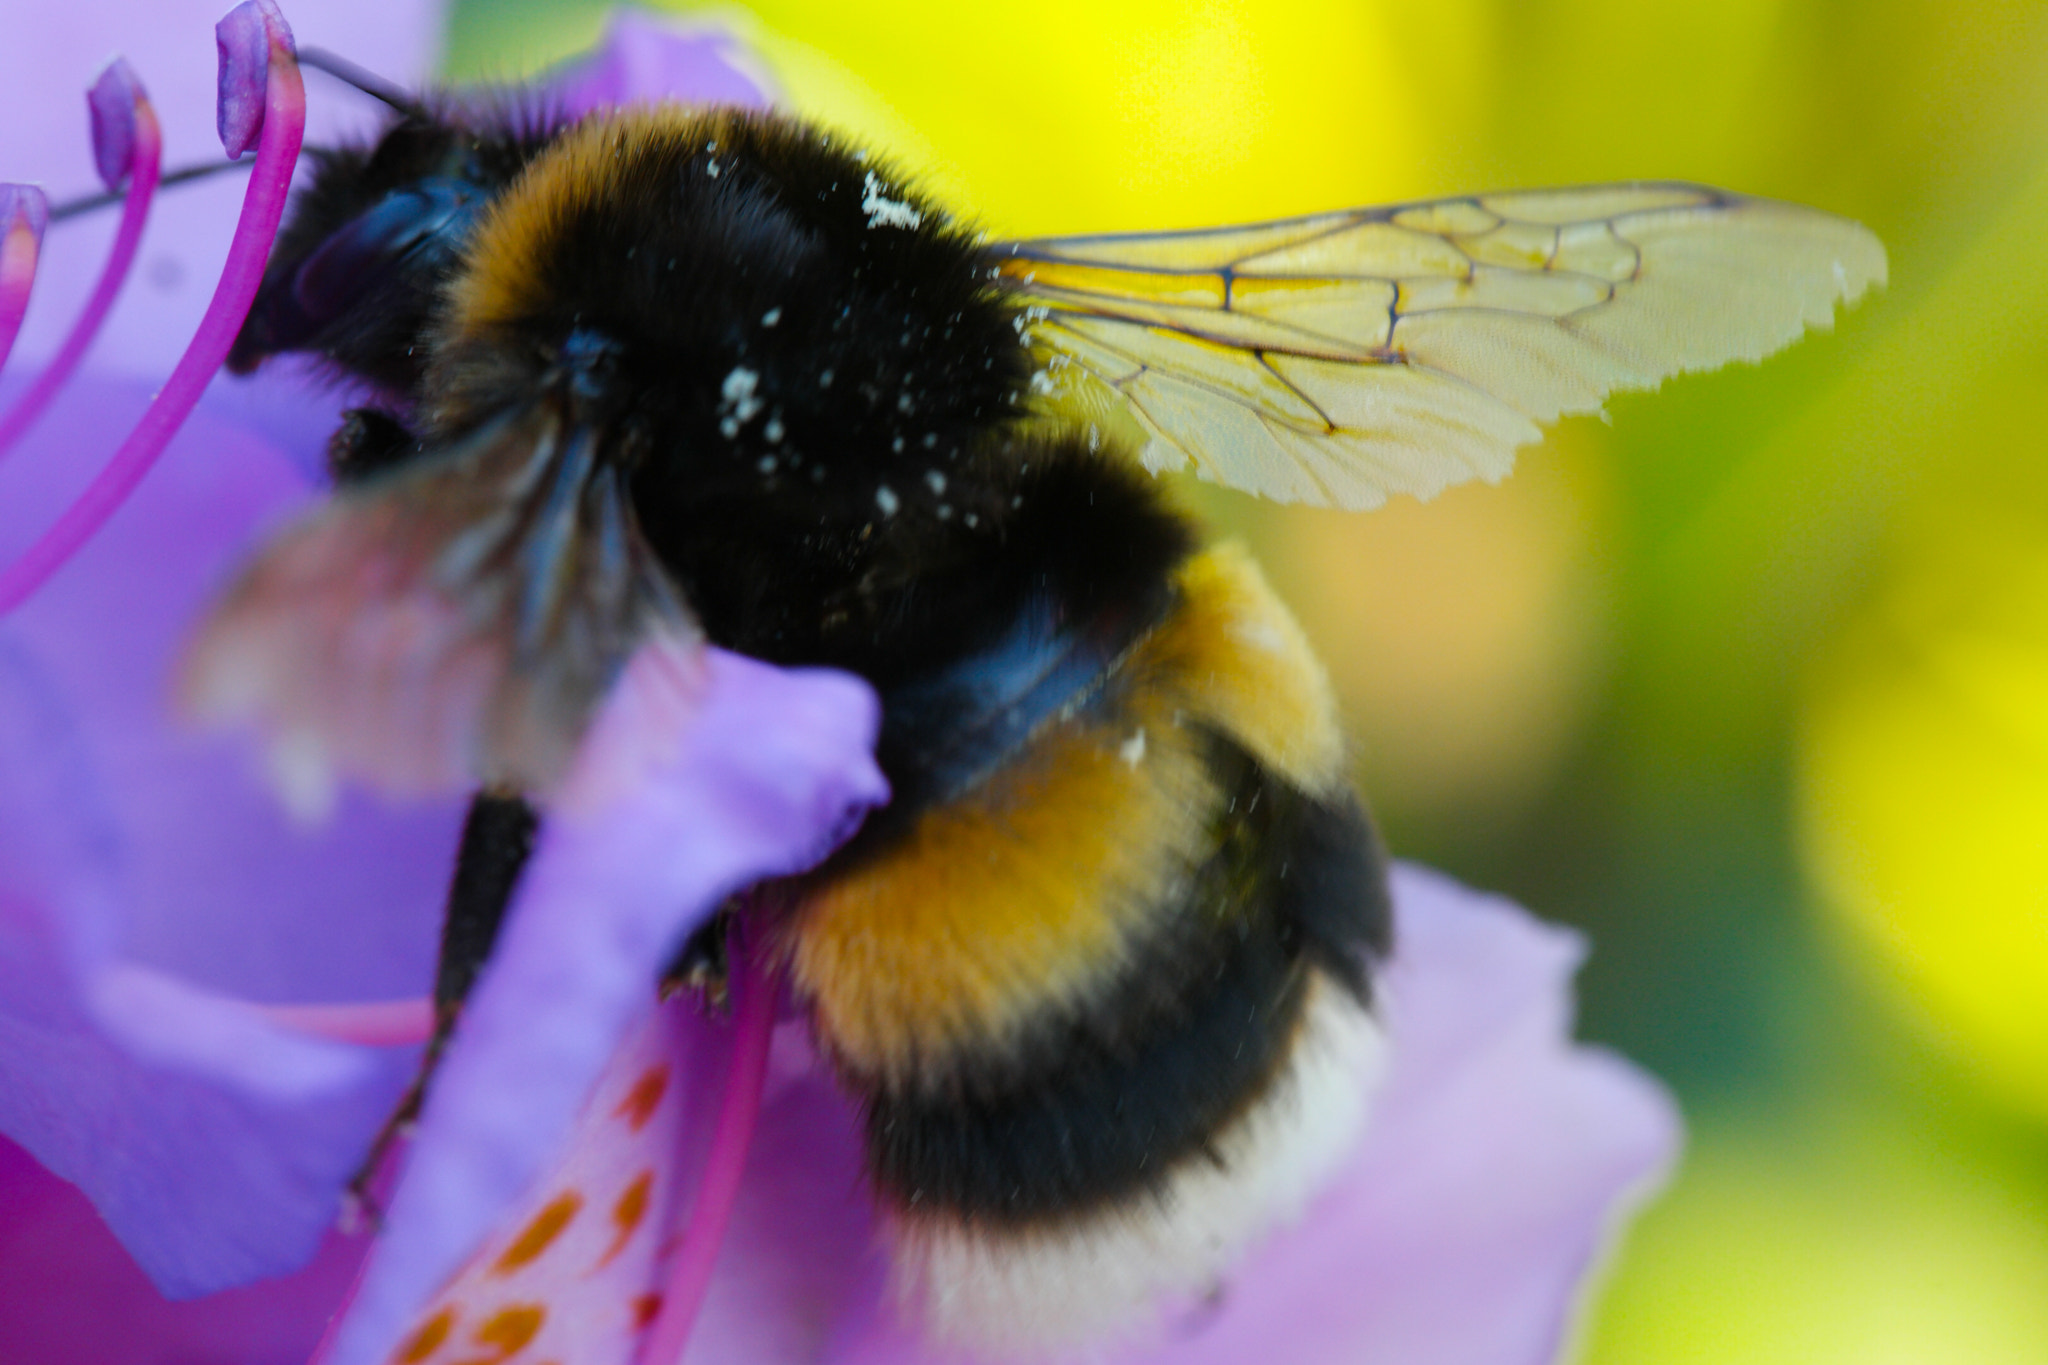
{"x":153,"y":894}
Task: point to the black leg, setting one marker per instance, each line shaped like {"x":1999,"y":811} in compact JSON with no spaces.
{"x":700,"y":965}
{"x":496,"y":841}
{"x":367,"y":442}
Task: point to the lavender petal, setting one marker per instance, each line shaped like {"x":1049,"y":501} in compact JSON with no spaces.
{"x":210,"y":1179}
{"x":144,"y":874}
{"x":677,"y":799}
{"x":644,"y":57}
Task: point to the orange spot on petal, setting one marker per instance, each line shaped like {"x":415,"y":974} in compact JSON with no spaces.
{"x":540,"y":1233}
{"x":645,"y":1309}
{"x":627,"y":1213}
{"x":638,"y":1106}
{"x":508,"y":1332}
{"x":428,"y":1339}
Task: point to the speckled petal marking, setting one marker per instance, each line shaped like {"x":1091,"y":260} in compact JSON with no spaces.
{"x":569,"y":1276}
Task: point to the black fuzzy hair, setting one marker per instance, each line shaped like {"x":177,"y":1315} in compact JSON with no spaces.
{"x":379,"y":282}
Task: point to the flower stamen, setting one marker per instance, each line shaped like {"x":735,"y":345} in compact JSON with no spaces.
{"x":373,"y":1023}
{"x":24,"y":212}
{"x":262,"y":104}
{"x":127,"y":147}
{"x":689,"y":1269}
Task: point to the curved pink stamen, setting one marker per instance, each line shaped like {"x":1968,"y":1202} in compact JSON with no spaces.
{"x":324,"y":1348}
{"x":283,"y":115}
{"x":24,"y":210}
{"x":689,"y":1270}
{"x":377,"y":1023}
{"x":122,"y":122}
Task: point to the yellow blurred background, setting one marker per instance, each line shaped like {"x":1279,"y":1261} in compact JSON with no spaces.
{"x":1752,"y":683}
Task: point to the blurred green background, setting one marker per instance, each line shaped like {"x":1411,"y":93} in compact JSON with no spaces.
{"x":1751,"y":684}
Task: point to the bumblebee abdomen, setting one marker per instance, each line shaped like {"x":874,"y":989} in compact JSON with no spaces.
{"x":1091,"y":971}
{"x":1107,"y":842}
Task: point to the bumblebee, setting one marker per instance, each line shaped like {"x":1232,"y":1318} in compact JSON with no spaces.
{"x":1100,"y":978}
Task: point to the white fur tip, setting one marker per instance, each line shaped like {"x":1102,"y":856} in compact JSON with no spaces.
{"x":1109,"y":1277}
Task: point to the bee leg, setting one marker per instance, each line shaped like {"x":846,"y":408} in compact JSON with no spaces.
{"x":361,"y":1208}
{"x":701,"y":965}
{"x":496,"y":840}
{"x":367,"y":442}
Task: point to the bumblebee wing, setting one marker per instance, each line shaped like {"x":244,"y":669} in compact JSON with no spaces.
{"x":450,"y":624}
{"x":1341,"y":358}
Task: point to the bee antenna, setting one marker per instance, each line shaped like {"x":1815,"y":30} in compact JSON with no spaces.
{"x":72,"y":208}
{"x":371,"y":84}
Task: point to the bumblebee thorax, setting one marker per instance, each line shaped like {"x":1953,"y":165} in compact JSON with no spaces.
{"x":775,"y":312}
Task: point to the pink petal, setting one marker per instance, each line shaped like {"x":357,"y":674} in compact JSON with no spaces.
{"x":222,"y":887}
{"x":142,"y":876}
{"x":213,"y":1143}
{"x":71,"y":1295}
{"x":570,"y":1264}
{"x":655,"y":57}
{"x":699,"y":777}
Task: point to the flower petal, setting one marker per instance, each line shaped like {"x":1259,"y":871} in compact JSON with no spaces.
{"x":699,"y":776}
{"x":210,"y":1179}
{"x":221,"y":886}
{"x":802,"y":1275}
{"x":144,"y":871}
{"x":644,"y":56}
{"x":569,"y":1270}
{"x":72,"y":1296}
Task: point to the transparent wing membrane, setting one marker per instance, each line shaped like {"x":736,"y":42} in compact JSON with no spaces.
{"x":1342,"y":358}
{"x":450,"y":624}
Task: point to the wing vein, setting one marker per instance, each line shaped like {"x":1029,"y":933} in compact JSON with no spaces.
{"x":1395,"y":349}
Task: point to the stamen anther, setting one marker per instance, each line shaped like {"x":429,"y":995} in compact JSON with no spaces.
{"x":127,"y":147}
{"x":24,"y":213}
{"x":249,"y":42}
{"x":263,"y":101}
{"x":119,"y":109}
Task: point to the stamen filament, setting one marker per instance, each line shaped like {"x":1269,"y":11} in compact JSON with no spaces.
{"x":24,"y":210}
{"x":689,"y":1272}
{"x":375,"y":1023}
{"x":120,"y":112}
{"x":283,"y":127}
{"x":325,"y":1346}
